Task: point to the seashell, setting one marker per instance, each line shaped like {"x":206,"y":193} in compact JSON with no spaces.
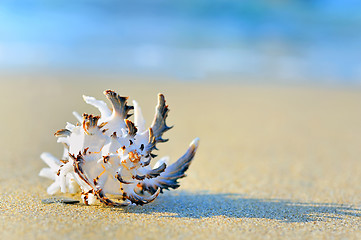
{"x":110,"y":154}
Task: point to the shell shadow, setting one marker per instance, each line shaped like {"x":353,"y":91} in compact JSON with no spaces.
{"x":191,"y":205}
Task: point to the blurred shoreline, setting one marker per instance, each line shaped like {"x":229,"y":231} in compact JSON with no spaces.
{"x":101,"y":79}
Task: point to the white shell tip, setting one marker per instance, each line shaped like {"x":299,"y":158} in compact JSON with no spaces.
{"x":195,"y":142}
{"x":87,"y":98}
{"x":44,"y":155}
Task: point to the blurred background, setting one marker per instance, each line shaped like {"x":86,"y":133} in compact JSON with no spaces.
{"x":286,"y":41}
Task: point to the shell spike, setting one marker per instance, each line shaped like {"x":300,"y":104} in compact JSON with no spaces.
{"x":119,"y":104}
{"x":138,"y":117}
{"x":159,"y":125}
{"x":102,"y":106}
{"x":140,"y":200}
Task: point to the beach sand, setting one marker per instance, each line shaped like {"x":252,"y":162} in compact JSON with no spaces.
{"x":274,"y":162}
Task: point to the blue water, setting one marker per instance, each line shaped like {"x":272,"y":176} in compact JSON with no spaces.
{"x":286,"y":40}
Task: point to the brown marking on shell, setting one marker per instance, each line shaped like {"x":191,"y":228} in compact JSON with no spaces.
{"x":151,"y":140}
{"x":106,"y":158}
{"x":85,"y":151}
{"x":102,"y":124}
{"x":134,"y":157}
{"x":147,"y":162}
{"x":62,"y":133}
{"x":120,"y":179}
{"x":85,"y":196}
{"x":96,"y":152}
{"x":124,"y":164}
{"x":119,"y":104}
{"x":138,"y":177}
{"x":157,"y":171}
{"x":89,"y":121}
{"x":77,"y":164}
{"x":104,"y":199}
{"x":140,"y":200}
{"x":132,"y":129}
{"x":97,"y":178}
{"x":124,"y":196}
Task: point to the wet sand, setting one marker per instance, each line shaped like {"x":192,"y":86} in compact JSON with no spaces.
{"x":273,"y":162}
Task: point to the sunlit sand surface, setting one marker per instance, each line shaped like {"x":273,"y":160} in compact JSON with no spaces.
{"x":273,"y":162}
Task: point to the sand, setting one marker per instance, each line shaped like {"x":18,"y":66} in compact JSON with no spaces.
{"x":274,"y":162}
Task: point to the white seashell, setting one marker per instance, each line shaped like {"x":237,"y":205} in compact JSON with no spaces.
{"x":111,"y":154}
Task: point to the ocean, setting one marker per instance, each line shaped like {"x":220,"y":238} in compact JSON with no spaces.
{"x":302,"y":41}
